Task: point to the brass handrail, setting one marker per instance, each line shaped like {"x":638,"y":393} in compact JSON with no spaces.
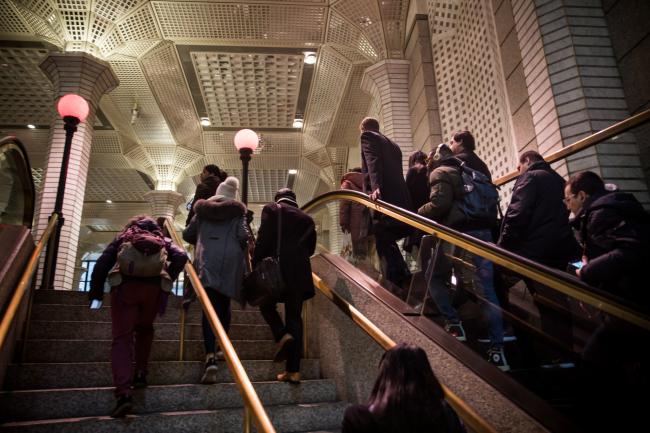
{"x":252,"y":403}
{"x":560,"y":281}
{"x":586,"y":142}
{"x":24,"y":283}
{"x":472,"y":419}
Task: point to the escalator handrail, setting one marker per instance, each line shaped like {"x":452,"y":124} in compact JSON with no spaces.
{"x":251,"y":399}
{"x":553,"y":278}
{"x":24,"y":282}
{"x":11,"y":143}
{"x":586,"y":142}
{"x":472,"y":419}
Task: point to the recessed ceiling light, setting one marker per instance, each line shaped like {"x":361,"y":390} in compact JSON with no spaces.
{"x":205,"y":121}
{"x":109,"y":201}
{"x":310,"y":58}
{"x":297,"y":123}
{"x":293,"y":171}
{"x":30,"y":126}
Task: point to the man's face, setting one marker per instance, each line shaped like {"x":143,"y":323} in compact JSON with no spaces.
{"x":572,"y":201}
{"x":523,"y":166}
{"x":455,"y":146}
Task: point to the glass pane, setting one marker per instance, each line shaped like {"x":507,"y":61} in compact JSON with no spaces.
{"x":12,"y":188}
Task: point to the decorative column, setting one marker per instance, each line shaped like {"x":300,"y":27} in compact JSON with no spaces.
{"x":388,"y":82}
{"x":90,"y":78}
{"x":164,"y":203}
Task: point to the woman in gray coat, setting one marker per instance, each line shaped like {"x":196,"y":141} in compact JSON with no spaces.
{"x":220,"y":234}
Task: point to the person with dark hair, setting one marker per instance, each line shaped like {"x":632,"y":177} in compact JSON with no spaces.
{"x":536,"y":226}
{"x":447,"y":190}
{"x":354,"y":218}
{"x":211,"y":177}
{"x":614,"y":232}
{"x":417,"y":182}
{"x":406,"y":397}
{"x":463,"y":145}
{"x":297,"y":243}
{"x":221,"y":235}
{"x":135,"y":300}
{"x":382,"y":164}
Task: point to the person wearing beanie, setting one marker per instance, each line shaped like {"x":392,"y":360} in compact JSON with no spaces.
{"x":220,"y":233}
{"x":297,"y":244}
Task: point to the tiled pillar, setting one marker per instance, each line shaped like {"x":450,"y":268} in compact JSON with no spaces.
{"x":388,"y":82}
{"x":575,"y":87}
{"x":90,"y":78}
{"x":164,"y":203}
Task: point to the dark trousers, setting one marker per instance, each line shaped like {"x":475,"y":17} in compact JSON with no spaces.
{"x":291,"y":325}
{"x":133,"y":310}
{"x":221,"y":304}
{"x":393,"y":265}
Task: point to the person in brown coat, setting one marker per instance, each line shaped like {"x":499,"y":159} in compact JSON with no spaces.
{"x":354,"y":218}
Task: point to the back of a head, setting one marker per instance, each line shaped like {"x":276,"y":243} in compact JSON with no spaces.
{"x":356,"y":170}
{"x":466,"y":139}
{"x":286,"y":195}
{"x":586,"y":181}
{"x":213,"y":170}
{"x":406,"y":395}
{"x":442,"y":152}
{"x":417,"y":157}
{"x":370,"y":124}
{"x":530,"y":156}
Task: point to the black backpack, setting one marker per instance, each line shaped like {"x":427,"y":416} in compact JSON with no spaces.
{"x":480,"y":200}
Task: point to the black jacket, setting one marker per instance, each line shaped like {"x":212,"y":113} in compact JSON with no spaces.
{"x":472,"y":161}
{"x":614,"y":231}
{"x":381,"y":159}
{"x":297,"y":244}
{"x":536,"y":224}
{"x":204,"y":190}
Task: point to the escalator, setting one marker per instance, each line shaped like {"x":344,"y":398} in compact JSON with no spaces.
{"x":546,"y":329}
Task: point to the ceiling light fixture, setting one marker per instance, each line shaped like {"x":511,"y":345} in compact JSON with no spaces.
{"x":109,"y":201}
{"x":310,"y":58}
{"x":293,"y":171}
{"x":30,"y":126}
{"x":298,"y":122}
{"x":205,"y":121}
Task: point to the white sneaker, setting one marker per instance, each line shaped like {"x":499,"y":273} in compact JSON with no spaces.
{"x":210,"y":374}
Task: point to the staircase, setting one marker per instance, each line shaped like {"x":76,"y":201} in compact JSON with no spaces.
{"x":65,"y":382}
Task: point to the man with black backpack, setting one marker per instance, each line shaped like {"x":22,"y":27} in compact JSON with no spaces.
{"x":140,"y":265}
{"x":462,"y":198}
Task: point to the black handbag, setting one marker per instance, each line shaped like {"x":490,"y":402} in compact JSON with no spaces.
{"x":265,"y":280}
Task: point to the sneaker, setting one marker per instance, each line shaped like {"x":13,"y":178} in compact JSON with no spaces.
{"x":140,"y":380}
{"x":123,"y":406}
{"x":210,"y":374}
{"x":557,"y":364}
{"x":506,"y":339}
{"x":498,"y":358}
{"x":456,"y":330}
{"x":219,"y":355}
{"x":293,"y":378}
{"x":282,"y":352}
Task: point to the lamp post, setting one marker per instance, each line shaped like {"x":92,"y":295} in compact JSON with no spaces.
{"x":73,"y":109}
{"x":246,"y":141}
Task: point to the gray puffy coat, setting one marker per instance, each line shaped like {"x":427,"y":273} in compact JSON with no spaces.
{"x":220,"y":234}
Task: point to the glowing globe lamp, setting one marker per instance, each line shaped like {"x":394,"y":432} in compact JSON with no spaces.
{"x":246,"y":139}
{"x":72,"y":105}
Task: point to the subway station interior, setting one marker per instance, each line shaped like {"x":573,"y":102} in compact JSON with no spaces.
{"x":169,"y":83}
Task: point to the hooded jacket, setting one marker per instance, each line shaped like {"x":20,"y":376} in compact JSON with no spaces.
{"x":536,"y":223}
{"x":445,"y":187}
{"x":353,"y":217}
{"x":220,"y":234}
{"x":614,"y":231}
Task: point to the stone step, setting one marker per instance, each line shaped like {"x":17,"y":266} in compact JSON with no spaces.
{"x":68,"y":330}
{"x":285,"y":418}
{"x":98,"y":374}
{"x":162,"y":350}
{"x":84,"y":402}
{"x":62,"y":312}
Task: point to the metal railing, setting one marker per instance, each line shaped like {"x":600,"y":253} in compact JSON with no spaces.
{"x":553,"y":278}
{"x":472,"y":419}
{"x":253,"y":408}
{"x":24,"y":283}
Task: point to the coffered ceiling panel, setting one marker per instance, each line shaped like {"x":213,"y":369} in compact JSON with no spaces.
{"x":349,"y":39}
{"x":256,"y":90}
{"x":353,"y":108}
{"x":364,"y":14}
{"x":125,"y":185}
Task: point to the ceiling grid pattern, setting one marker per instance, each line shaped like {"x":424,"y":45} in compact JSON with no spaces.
{"x":364,"y":14}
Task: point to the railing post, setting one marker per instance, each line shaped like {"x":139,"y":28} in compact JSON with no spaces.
{"x":247,"y":419}
{"x":181,"y":337}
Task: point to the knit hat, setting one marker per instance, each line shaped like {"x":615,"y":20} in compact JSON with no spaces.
{"x":228,"y":188}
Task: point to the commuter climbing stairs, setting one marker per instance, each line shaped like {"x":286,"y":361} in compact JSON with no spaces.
{"x":65,"y":385}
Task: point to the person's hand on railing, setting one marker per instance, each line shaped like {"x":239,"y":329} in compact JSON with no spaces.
{"x":375,"y":195}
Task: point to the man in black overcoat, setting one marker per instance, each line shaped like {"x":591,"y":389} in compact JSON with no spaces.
{"x":297,"y":244}
{"x":381,"y":162}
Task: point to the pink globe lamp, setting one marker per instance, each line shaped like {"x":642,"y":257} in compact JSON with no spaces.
{"x":246,"y":141}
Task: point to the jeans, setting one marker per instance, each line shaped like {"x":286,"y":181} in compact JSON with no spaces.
{"x":440,"y":269}
{"x":221,"y":304}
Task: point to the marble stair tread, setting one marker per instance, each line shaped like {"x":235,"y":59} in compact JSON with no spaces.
{"x":63,"y":312}
{"x":30,"y":376}
{"x":85,"y":402}
{"x":52,"y":350}
{"x":93,"y":330}
{"x":285,"y":418}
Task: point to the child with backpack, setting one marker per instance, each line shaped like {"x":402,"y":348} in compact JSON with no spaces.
{"x":140,"y":265}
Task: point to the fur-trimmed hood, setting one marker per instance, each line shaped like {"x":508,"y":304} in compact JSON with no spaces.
{"x":219,"y":208}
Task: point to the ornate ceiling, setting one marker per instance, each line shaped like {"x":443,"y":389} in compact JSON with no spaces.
{"x":240,"y":64}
